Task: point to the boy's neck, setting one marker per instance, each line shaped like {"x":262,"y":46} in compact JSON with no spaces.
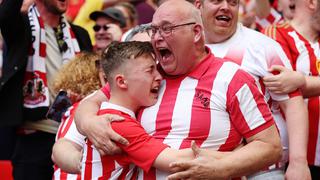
{"x":123,"y":100}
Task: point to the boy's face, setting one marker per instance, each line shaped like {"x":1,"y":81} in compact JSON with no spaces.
{"x":143,"y":80}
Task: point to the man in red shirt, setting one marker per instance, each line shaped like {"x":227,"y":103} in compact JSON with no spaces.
{"x":300,"y":41}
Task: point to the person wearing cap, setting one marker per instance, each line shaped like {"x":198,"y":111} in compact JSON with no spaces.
{"x":107,"y":28}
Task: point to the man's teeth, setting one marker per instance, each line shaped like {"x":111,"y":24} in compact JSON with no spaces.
{"x":155,"y":90}
{"x":222,"y":17}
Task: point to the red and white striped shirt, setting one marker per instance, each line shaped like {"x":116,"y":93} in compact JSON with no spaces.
{"x":68,"y":129}
{"x":256,"y":53}
{"x":273,"y":18}
{"x":217,"y":105}
{"x":305,"y":57}
{"x":141,"y":151}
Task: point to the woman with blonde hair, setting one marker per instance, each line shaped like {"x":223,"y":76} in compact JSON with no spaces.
{"x":80,"y":77}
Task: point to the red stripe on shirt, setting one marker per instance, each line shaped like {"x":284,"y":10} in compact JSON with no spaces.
{"x":88,"y":164}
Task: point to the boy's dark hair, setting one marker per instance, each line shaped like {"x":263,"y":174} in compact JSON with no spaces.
{"x":118,"y":53}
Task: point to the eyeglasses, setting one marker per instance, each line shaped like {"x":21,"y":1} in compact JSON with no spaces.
{"x":97,"y":27}
{"x":166,"y":30}
{"x":63,"y":46}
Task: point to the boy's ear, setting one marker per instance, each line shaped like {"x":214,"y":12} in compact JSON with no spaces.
{"x":121,"y":81}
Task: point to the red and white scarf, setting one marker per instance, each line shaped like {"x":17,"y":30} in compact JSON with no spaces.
{"x":35,"y":89}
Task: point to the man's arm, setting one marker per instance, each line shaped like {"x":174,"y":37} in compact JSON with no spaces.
{"x":97,"y":128}
{"x":312,"y":87}
{"x":262,"y":149}
{"x":67,"y":155}
{"x":296,"y":114}
{"x":169,"y":155}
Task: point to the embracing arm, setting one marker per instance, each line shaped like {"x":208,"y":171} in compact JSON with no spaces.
{"x":296,"y":114}
{"x":262,"y":150}
{"x":97,"y":128}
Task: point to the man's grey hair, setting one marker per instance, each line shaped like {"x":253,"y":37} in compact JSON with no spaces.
{"x":138,"y":29}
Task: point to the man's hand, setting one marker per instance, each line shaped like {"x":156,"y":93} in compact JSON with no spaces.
{"x":199,"y":168}
{"x":298,"y":170}
{"x":102,"y":136}
{"x":285,"y":82}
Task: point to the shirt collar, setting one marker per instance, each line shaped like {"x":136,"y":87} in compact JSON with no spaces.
{"x":108,"y":105}
{"x":203,"y":66}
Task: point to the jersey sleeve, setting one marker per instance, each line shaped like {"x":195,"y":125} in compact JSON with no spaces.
{"x":68,"y":129}
{"x":248,"y":110}
{"x":142,"y":149}
{"x":282,"y":48}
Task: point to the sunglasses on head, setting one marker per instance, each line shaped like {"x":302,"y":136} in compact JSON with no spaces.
{"x":97,"y":27}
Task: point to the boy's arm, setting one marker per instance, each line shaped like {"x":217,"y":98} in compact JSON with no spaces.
{"x":67,"y":155}
{"x":97,"y":128}
{"x":169,"y":155}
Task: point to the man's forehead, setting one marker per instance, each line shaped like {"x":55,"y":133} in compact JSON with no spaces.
{"x":166,"y":17}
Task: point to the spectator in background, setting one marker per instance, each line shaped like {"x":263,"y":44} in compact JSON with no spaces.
{"x":145,"y":11}
{"x":141,"y":32}
{"x":80,"y":70}
{"x":38,"y":43}
{"x":300,"y":39}
{"x":130,"y":14}
{"x":87,"y":8}
{"x":107,"y":28}
{"x":259,"y":14}
{"x":73,"y":9}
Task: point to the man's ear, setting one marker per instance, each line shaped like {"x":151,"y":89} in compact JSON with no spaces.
{"x":312,"y":4}
{"x":198,"y":32}
{"x":121,"y":81}
{"x":197,"y":3}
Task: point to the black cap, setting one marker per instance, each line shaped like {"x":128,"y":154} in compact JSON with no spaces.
{"x":112,"y":13}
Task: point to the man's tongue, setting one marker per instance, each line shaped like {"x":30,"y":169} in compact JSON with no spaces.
{"x":166,"y":56}
{"x":223,"y":20}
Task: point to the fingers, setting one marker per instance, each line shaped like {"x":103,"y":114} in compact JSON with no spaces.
{"x":117,"y":138}
{"x":180,"y":165}
{"x":272,"y":84}
{"x":271,"y":78}
{"x":277,"y":68}
{"x":115,"y":118}
{"x":112,"y":134}
{"x":195,"y":148}
{"x":179,"y":175}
